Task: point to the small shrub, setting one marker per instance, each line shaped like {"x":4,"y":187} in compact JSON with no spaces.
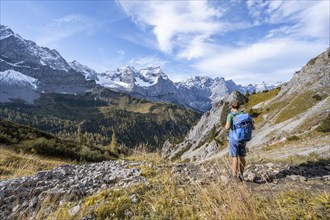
{"x":4,"y":139}
{"x":325,"y":125}
{"x":317,"y":97}
{"x":292,"y":138}
{"x":312,"y":61}
{"x":254,"y":113}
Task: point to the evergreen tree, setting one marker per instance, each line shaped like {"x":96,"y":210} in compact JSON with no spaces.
{"x":79,"y":136}
{"x":114,"y":143}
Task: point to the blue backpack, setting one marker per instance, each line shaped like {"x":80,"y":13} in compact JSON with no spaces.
{"x":242,"y":127}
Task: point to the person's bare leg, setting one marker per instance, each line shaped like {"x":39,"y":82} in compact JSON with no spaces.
{"x":242,"y":164}
{"x":234,"y":166}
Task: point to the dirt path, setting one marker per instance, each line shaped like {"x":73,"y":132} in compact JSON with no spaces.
{"x":260,"y":177}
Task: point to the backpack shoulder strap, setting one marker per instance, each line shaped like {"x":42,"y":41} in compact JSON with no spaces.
{"x":234,"y":114}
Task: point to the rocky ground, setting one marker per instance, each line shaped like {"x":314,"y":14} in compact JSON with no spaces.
{"x":24,"y":196}
{"x":260,"y":177}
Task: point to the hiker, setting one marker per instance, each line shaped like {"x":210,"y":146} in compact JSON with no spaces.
{"x":237,"y":146}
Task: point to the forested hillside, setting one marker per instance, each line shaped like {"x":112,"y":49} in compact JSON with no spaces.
{"x":97,"y":117}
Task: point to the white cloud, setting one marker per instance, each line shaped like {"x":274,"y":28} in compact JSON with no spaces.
{"x":170,"y":21}
{"x":315,"y":21}
{"x":194,"y":48}
{"x":65,"y":27}
{"x":306,"y":18}
{"x":289,"y":34}
{"x":302,"y":32}
{"x":147,"y":61}
{"x":270,"y":61}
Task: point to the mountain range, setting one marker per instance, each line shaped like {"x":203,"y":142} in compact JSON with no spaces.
{"x":24,"y":62}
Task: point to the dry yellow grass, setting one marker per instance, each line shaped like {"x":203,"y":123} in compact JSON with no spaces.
{"x":166,"y":197}
{"x":13,"y":164}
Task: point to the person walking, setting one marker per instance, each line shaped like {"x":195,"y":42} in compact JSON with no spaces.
{"x":237,"y":149}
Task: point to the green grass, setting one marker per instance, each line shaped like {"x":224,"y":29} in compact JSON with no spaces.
{"x":261,"y":97}
{"x":299,"y":104}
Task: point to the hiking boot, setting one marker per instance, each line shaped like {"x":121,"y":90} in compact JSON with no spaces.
{"x":241,"y":178}
{"x":235,"y":179}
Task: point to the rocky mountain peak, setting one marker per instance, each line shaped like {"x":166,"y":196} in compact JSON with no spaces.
{"x":237,"y":96}
{"x":153,"y":72}
{"x":198,"y":92}
{"x":89,"y":73}
{"x":197,"y":81}
{"x":5,"y":32}
{"x":15,"y":49}
{"x":12,"y":77}
{"x":314,"y":76}
{"x":45,"y":65}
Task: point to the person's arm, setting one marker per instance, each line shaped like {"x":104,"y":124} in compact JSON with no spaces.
{"x":228,"y":122}
{"x":228,"y":125}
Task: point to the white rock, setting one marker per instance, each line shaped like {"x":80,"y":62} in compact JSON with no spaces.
{"x":134,"y":199}
{"x":74,"y":210}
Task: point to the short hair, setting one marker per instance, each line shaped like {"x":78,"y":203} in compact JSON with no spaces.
{"x":235,"y":104}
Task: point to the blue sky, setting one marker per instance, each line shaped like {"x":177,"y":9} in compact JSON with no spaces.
{"x":247,"y":41}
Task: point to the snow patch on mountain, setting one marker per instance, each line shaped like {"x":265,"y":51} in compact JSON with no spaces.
{"x":89,"y":73}
{"x":201,"y":82}
{"x":263,"y":86}
{"x":12,"y":77}
{"x":128,"y":77}
{"x":29,"y":51}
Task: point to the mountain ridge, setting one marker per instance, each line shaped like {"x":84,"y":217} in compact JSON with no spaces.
{"x":55,"y":74}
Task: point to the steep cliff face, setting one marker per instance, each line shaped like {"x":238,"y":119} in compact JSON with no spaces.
{"x":19,"y":51}
{"x":315,"y":75}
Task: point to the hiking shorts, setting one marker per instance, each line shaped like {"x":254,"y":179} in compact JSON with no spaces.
{"x":237,"y":148}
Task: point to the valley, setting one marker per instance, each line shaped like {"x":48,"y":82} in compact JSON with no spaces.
{"x":92,"y":118}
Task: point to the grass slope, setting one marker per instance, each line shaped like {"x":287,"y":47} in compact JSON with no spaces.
{"x":14,"y":165}
{"x":30,"y":140}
